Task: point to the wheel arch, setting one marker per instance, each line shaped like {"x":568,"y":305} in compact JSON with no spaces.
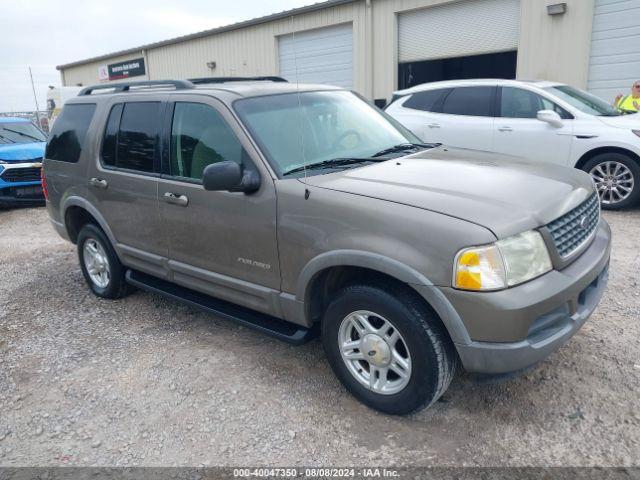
{"x":77,"y":212}
{"x":331,"y":271}
{"x":600,"y":150}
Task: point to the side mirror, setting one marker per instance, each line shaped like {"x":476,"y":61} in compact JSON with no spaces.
{"x":550,"y":117}
{"x":231,"y":177}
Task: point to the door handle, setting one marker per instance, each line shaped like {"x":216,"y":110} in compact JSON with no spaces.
{"x":505,"y":129}
{"x":99,"y":183}
{"x":176,"y":199}
{"x":434,"y":125}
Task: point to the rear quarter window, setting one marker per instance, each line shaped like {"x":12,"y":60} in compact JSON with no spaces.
{"x":69,"y":131}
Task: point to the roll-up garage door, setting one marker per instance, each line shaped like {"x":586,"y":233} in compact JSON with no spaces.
{"x":459,"y":29}
{"x":615,"y":48}
{"x":324,"y":56}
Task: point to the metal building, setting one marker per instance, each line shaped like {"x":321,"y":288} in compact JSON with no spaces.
{"x":378,"y":46}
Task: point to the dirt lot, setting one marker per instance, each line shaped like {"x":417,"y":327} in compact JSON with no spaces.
{"x":146,"y":381}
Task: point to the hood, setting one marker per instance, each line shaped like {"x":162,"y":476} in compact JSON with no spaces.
{"x":504,"y":194}
{"x":17,"y":152}
{"x":630,"y":122}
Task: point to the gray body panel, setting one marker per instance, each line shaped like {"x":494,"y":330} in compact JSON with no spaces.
{"x":504,"y":194}
{"x":406,"y":218}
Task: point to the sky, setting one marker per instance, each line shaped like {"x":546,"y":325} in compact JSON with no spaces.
{"x":44,"y":33}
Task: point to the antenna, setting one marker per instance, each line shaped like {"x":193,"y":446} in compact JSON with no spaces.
{"x":295,"y":66}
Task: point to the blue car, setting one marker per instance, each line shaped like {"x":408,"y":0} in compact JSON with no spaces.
{"x":22,"y":147}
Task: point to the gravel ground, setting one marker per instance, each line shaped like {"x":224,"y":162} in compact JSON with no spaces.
{"x":146,"y":381}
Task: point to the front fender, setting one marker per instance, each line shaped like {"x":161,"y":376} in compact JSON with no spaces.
{"x":393,"y":268}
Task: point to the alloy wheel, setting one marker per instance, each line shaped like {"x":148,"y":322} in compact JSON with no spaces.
{"x":374,"y":352}
{"x":614,"y":181}
{"x":96,"y":263}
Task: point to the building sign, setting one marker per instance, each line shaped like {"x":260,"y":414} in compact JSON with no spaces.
{"x":126,"y":69}
{"x":103,"y":73}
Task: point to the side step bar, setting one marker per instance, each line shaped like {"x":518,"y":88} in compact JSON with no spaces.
{"x":275,"y":327}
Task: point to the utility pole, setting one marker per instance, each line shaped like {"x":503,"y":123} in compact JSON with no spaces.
{"x":35,"y":97}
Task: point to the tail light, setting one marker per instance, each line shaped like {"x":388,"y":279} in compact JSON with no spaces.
{"x":43,"y":180}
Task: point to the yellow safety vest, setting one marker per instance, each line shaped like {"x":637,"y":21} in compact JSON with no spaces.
{"x":627,"y":103}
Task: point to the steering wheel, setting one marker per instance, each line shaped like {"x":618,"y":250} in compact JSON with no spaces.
{"x":349,"y":133}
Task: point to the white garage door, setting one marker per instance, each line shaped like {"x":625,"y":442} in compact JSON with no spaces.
{"x":318,"y":56}
{"x":459,"y":29}
{"x":615,"y":48}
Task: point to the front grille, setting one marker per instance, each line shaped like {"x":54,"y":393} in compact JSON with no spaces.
{"x":573,"y":229}
{"x":29,"y":174}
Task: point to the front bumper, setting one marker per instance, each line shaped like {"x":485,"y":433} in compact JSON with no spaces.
{"x":516,"y":328}
{"x":17,"y":185}
{"x":12,"y":196}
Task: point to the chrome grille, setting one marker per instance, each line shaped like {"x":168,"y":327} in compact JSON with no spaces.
{"x":573,"y":229}
{"x":29,"y":174}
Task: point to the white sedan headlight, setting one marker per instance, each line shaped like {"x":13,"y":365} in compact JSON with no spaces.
{"x":506,"y":263}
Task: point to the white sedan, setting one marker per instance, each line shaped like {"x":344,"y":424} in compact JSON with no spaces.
{"x":538,"y":120}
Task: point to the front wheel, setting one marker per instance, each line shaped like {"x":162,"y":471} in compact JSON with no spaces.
{"x":387,"y":348}
{"x":617,"y":179}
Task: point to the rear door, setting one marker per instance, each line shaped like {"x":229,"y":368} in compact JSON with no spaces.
{"x":466,"y":118}
{"x":220,"y":243}
{"x":416,"y":113}
{"x":123,"y":182}
{"x":518,"y":131}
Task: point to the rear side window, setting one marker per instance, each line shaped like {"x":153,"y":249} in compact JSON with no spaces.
{"x":426,"y":101}
{"x":68,"y":132}
{"x":131,"y":136}
{"x":470,"y":101}
{"x":137,"y":137}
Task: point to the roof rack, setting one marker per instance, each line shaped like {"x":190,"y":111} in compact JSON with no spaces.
{"x":126,"y":87}
{"x":205,"y":80}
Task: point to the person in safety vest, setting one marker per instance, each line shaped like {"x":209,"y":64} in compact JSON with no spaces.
{"x":629,"y":103}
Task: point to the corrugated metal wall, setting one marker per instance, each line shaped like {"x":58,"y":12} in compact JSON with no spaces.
{"x":247,"y":51}
{"x":555,"y":47}
{"x":550,"y":47}
{"x":615,"y":48}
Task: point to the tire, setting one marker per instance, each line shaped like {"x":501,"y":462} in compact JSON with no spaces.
{"x":432,"y":359}
{"x":112,"y":285}
{"x":612,"y":196}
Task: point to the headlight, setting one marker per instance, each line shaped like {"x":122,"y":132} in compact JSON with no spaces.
{"x":506,"y":263}
{"x":637,"y":132}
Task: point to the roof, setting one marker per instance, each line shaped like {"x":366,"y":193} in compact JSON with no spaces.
{"x":206,"y":33}
{"x":476,"y":81}
{"x":257,"y":89}
{"x":230,"y":89}
{"x":14,"y":120}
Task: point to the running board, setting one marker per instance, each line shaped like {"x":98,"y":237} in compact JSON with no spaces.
{"x":275,"y":327}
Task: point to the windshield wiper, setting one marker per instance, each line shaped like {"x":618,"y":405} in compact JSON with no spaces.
{"x":23,"y":134}
{"x":403,"y":147}
{"x":334,"y":162}
{"x":7,"y":138}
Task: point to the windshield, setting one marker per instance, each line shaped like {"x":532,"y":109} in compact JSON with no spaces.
{"x":583,"y":101}
{"x":20,"y":132}
{"x":312,"y":127}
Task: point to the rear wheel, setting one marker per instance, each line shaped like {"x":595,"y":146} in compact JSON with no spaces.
{"x":100,"y":265}
{"x":387,"y":348}
{"x":617,"y":179}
